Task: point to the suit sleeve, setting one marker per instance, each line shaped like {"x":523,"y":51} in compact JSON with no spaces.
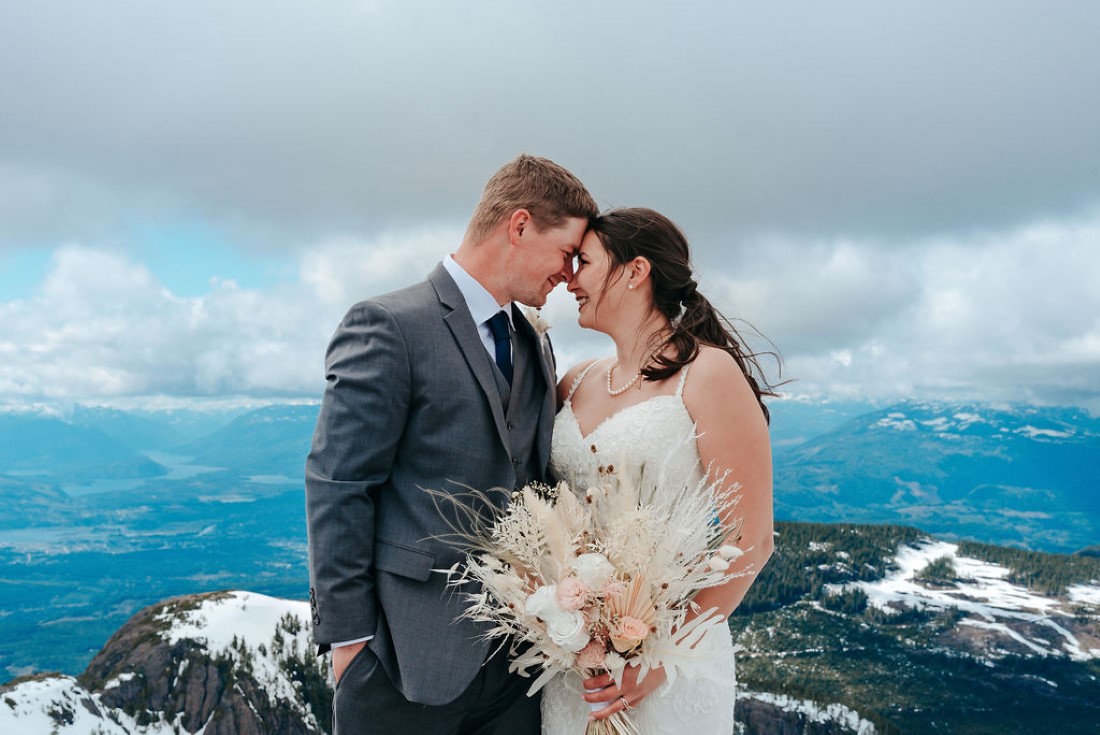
{"x":362,"y":417}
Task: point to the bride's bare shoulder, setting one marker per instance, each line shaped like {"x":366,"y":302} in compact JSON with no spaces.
{"x":715,"y":372}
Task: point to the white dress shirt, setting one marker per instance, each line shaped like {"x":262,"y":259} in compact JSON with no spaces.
{"x":480,"y":302}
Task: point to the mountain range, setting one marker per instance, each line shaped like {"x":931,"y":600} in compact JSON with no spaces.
{"x":909,"y":634}
{"x":1021,"y":476}
{"x":109,"y":511}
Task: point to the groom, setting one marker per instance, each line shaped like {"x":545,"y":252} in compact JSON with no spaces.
{"x":440,"y":387}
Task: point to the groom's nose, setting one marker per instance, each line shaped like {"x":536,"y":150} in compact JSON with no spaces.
{"x":567,"y":269}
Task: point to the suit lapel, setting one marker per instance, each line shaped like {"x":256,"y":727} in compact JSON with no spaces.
{"x":458,"y":319}
{"x":545,"y":356}
{"x":546,"y":364}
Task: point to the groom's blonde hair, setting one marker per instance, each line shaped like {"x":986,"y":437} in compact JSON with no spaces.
{"x":548,"y":191}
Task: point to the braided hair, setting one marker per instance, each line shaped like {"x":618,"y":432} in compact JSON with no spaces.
{"x":632,"y":232}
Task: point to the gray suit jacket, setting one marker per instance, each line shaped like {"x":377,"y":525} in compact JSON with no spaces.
{"x":411,"y":403}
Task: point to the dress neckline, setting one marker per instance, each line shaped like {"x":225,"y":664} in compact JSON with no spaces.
{"x":568,"y":406}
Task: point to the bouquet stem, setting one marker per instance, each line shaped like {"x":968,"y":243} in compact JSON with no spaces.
{"x":616,"y":724}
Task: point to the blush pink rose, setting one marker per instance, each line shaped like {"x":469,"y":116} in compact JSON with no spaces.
{"x":628,"y":633}
{"x":632,"y":628}
{"x":572,"y":593}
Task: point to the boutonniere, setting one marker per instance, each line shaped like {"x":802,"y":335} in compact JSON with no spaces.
{"x":534,"y":316}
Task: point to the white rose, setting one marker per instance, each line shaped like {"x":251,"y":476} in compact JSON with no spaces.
{"x":594,"y":570}
{"x":543,"y":603}
{"x":568,"y":630}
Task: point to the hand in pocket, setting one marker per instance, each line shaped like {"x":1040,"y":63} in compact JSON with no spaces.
{"x":342,"y":656}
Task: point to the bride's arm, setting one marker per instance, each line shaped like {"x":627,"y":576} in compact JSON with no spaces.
{"x":734,"y":444}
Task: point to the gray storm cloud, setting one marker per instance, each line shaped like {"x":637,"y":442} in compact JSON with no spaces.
{"x":902,"y":196}
{"x":297,"y":118}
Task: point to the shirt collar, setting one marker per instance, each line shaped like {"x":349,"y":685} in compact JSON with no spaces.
{"x":479,"y":301}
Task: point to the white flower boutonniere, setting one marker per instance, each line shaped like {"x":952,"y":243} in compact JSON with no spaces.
{"x":534,"y":316}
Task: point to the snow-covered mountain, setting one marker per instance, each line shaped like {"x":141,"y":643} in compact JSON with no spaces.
{"x":238,"y":662}
{"x":231,"y":662}
{"x":851,"y":629}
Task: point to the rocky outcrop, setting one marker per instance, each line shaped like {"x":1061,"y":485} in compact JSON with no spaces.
{"x":150,"y":668}
{"x":189,"y":665}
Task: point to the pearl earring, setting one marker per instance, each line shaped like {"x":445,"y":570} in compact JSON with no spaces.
{"x":630,"y":285}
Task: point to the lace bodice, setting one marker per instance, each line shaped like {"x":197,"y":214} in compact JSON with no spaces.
{"x":655,"y":435}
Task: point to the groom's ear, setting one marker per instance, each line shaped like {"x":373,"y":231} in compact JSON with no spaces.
{"x":518,"y":224}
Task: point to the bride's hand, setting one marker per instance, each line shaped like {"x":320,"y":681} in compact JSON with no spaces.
{"x":621,"y":698}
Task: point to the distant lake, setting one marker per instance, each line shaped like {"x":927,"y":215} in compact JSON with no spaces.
{"x":179,"y":466}
{"x":275,"y":480}
{"x":94,"y":487}
{"x":117,"y":538}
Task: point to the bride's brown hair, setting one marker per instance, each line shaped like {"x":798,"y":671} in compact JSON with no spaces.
{"x":632,"y":232}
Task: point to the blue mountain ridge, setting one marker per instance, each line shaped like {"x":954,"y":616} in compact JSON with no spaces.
{"x":42,"y":446}
{"x":231,"y":511}
{"x":1021,"y":476}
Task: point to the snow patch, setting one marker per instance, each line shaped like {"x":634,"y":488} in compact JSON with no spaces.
{"x":967,"y":419}
{"x":1084,"y":594}
{"x":897,"y":422}
{"x":1032,"y":432}
{"x":58,"y":704}
{"x":1006,"y":631}
{"x":814,"y":712}
{"x":983,"y":594}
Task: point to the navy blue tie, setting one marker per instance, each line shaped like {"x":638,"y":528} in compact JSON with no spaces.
{"x":498,"y":325}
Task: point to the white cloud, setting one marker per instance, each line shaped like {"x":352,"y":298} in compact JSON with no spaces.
{"x":100,"y":326}
{"x":1010,"y":315}
{"x":345,"y":269}
{"x":815,"y":294}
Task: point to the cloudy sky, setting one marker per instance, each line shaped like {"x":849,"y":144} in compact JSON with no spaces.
{"x":904,"y":197}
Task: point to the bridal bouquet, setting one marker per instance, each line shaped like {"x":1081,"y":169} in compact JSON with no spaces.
{"x":594,"y":580}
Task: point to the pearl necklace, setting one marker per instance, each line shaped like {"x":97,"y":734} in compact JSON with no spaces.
{"x":619,"y":391}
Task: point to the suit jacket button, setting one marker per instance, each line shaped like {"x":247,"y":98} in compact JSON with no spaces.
{"x":515,"y":462}
{"x":511,"y":426}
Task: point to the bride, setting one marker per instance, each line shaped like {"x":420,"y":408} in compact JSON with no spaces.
{"x":678,"y":372}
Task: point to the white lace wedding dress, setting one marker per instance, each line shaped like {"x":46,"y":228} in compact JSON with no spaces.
{"x":648,"y":433}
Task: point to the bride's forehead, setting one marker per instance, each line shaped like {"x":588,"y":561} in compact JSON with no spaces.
{"x":591,"y":242}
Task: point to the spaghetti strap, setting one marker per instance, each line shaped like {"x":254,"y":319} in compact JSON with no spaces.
{"x":683,"y":379}
{"x":577,"y":380}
